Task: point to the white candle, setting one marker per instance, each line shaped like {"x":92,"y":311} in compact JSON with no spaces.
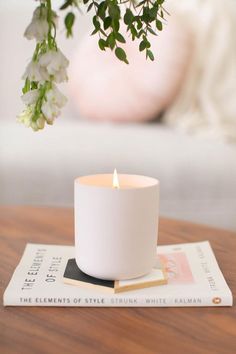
{"x":116,"y":225}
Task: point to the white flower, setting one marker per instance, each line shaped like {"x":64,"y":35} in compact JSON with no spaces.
{"x":30,"y":97}
{"x":54,"y":100}
{"x":38,"y":27}
{"x":57,"y":97}
{"x":34,"y":72}
{"x":50,"y":112}
{"x":25,"y":116}
{"x":55,"y":63}
{"x":40,"y":122}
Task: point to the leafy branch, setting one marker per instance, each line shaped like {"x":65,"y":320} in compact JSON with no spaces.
{"x":141,"y":19}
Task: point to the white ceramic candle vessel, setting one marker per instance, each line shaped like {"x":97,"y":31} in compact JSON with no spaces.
{"x":116,"y":228}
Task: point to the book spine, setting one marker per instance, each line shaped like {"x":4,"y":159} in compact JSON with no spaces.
{"x":119,"y":301}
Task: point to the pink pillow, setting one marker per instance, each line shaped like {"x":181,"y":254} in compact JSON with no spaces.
{"x":105,"y":89}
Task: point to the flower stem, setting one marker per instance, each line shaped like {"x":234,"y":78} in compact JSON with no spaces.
{"x":49,"y":19}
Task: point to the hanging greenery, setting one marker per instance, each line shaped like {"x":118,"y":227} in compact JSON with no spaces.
{"x":48,"y":66}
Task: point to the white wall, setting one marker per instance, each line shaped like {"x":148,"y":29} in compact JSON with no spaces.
{"x":16,"y":51}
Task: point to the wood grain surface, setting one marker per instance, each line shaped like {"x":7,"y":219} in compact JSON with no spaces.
{"x":110,"y":330}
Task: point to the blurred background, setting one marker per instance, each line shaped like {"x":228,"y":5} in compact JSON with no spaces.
{"x":173,"y":119}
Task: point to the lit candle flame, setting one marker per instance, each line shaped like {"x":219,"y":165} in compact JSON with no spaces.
{"x":116,"y":183}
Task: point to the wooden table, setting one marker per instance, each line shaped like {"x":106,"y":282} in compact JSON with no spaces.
{"x":110,"y":330}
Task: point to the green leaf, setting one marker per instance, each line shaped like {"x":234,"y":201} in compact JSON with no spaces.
{"x":141,"y":3}
{"x":102,"y":44}
{"x":153,"y":12}
{"x":102,"y":10}
{"x":66,"y":4}
{"x":114,"y":11}
{"x":69,"y":21}
{"x":139,"y":24}
{"x":96,"y":23}
{"x":121,"y":55}
{"x":149,"y":54}
{"x":151,"y":31}
{"x":104,"y":33}
{"x":133,"y":32}
{"x":116,"y":25}
{"x":140,"y":33}
{"x":90,"y":7}
{"x":120,"y":38}
{"x":146,"y":16}
{"x":159,"y":25}
{"x":142,"y":46}
{"x":128,"y":17}
{"x":111,"y":40}
{"x":94,"y":31}
{"x":107,"y":22}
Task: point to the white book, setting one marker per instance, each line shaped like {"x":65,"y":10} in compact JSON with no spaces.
{"x":194,"y":279}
